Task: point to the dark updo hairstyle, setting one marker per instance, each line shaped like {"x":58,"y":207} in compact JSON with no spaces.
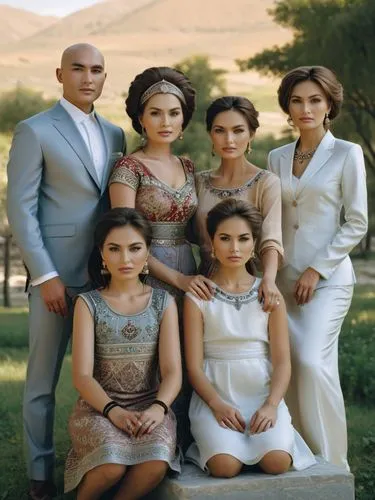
{"x":237,"y":103}
{"x":117,"y":217}
{"x":229,"y":208}
{"x":324,"y":77}
{"x":144,"y":80}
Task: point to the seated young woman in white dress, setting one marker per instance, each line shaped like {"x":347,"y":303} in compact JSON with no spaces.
{"x":238,"y":360}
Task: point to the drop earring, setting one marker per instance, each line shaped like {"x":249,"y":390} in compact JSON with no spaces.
{"x":212,"y":151}
{"x":290,"y":121}
{"x":326,"y":120}
{"x":143,"y":137}
{"x":248,"y":148}
{"x":145,"y":269}
{"x":104,"y":270}
{"x":181,"y":136}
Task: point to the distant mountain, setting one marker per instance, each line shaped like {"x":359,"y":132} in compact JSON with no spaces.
{"x":16,"y":24}
{"x":89,"y":21}
{"x":136,"y":34}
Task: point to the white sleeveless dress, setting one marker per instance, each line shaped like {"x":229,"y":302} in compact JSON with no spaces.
{"x":236,"y":361}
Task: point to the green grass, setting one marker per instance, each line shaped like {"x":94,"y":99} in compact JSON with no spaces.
{"x":356,"y":363}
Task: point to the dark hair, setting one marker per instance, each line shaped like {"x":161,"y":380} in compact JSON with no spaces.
{"x":324,"y":77}
{"x":229,"y":208}
{"x":117,"y":217}
{"x":144,"y":80}
{"x":238,"y":103}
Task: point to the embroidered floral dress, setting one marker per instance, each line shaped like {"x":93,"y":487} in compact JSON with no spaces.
{"x":126,"y":366}
{"x":262,"y":190}
{"x":168,"y":210}
{"x":236,"y":362}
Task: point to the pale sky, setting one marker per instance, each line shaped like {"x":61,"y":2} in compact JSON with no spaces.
{"x":50,"y":7}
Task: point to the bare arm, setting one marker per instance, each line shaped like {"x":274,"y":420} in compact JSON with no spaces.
{"x":170,"y":370}
{"x":193,"y":327}
{"x":270,"y":245}
{"x":268,"y":289}
{"x":266,"y":416}
{"x":122,"y":195}
{"x":169,"y":356}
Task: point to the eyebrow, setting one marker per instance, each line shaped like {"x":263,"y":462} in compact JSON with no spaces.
{"x":171,"y":109}
{"x":235,"y":126}
{"x":80,"y":65}
{"x":131,"y":244}
{"x":226,"y":234}
{"x":310,"y":96}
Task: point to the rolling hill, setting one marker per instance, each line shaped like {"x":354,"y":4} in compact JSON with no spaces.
{"x":135,"y":34}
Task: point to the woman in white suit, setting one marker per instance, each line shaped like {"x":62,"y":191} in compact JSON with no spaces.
{"x":321,"y":177}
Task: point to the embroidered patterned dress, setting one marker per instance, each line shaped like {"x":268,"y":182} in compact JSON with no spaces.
{"x":263,"y":191}
{"x":126,"y":366}
{"x":236,"y":362}
{"x":168,"y":210}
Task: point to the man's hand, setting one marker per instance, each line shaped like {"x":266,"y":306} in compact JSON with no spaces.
{"x":53,"y":294}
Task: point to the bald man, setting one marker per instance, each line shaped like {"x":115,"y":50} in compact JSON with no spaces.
{"x":58,"y":169}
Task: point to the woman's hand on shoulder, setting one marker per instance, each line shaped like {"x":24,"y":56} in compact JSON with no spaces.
{"x":263,"y":419}
{"x":227,"y":416}
{"x":269,"y":295}
{"x":150,"y":418}
{"x":125,"y":420}
{"x":305,"y":286}
{"x":198,"y":285}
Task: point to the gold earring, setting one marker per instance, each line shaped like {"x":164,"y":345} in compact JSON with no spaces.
{"x":145,"y":269}
{"x":326,"y":120}
{"x":143,"y":136}
{"x":212,"y":151}
{"x":248,"y":148}
{"x":213,"y":253}
{"x":104,"y":270}
{"x":181,"y":136}
{"x":290,"y":121}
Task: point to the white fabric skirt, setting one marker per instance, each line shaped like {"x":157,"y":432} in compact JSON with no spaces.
{"x":243,"y":382}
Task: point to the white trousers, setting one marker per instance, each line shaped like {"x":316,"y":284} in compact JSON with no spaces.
{"x":314,"y":396}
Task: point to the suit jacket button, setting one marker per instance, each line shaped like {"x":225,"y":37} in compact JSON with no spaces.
{"x":294,"y":203}
{"x":296,"y":226}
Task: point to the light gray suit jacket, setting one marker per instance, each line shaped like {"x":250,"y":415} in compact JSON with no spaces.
{"x":312,"y":233}
{"x":54,"y":195}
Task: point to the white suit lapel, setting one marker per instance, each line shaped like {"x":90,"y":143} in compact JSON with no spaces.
{"x":286,"y":168}
{"x":67,"y":128}
{"x":321,"y":156}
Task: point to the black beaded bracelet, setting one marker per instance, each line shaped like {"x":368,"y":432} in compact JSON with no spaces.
{"x":108,"y":407}
{"x":162,"y":404}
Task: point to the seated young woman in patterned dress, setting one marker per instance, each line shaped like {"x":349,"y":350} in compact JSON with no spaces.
{"x":126,"y":367}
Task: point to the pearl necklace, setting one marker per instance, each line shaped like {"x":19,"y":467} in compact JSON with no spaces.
{"x":301,"y":156}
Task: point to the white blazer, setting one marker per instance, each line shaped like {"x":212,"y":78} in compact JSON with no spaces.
{"x":313,"y":235}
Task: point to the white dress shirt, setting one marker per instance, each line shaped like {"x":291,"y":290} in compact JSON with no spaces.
{"x":91,"y":133}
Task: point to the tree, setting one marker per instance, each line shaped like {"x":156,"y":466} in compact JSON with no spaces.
{"x":15,"y":105}
{"x":18,"y":104}
{"x":208,"y":83}
{"x":338,"y":34}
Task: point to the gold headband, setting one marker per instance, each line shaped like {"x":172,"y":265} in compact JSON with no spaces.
{"x":162,"y":87}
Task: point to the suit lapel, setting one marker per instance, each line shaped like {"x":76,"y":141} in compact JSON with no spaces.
{"x":286,"y":168}
{"x":108,"y":150}
{"x":321,"y":156}
{"x":67,"y":128}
